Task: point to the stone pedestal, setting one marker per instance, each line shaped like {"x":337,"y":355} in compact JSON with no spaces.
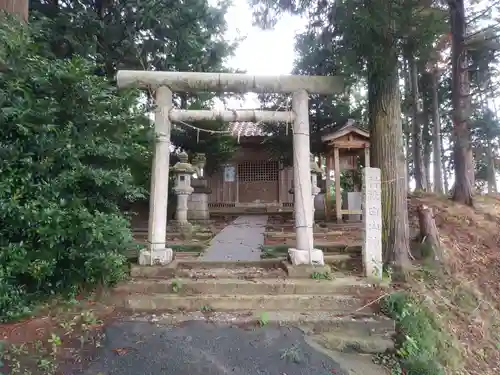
{"x":354,"y":203}
{"x":198,"y":202}
{"x":181,"y":215}
{"x":319,"y":206}
{"x":315,"y":191}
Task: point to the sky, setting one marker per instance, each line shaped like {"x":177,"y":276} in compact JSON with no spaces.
{"x":262,"y":52}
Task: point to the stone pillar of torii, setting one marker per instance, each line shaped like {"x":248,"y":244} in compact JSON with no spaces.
{"x":164,"y":83}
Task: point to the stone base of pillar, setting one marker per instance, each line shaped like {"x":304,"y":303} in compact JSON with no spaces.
{"x":299,"y":257}
{"x":155,"y":257}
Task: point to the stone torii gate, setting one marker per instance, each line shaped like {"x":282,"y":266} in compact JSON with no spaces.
{"x":167,"y":82}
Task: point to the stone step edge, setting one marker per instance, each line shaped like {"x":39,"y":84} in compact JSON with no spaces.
{"x":178,"y":283}
{"x":181,"y":266}
{"x":208,"y":297}
{"x":348,"y":285}
{"x":338,"y":303}
{"x":310,"y":322}
{"x":349,"y":341}
{"x":340,"y":281}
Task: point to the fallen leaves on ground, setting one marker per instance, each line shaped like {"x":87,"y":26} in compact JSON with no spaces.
{"x":465,"y":294}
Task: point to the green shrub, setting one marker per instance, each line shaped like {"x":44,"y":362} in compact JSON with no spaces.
{"x":422,"y":346}
{"x":66,"y":139}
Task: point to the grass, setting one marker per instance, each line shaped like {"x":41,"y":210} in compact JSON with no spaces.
{"x":423,"y":346}
{"x":444,"y":326}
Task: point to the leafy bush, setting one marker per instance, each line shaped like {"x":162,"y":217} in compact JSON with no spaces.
{"x":66,"y":140}
{"x":422,"y":346}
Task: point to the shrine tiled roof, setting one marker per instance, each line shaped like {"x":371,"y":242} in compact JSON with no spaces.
{"x":253,"y":129}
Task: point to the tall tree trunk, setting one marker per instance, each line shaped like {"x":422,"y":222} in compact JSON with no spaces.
{"x":446,"y":181}
{"x":462,"y":152}
{"x":407,"y":126}
{"x":492,"y":175}
{"x":19,"y":7}
{"x":491,"y":150}
{"x":436,"y":133}
{"x":427,"y":152}
{"x":426,"y":134}
{"x":416,"y":128}
{"x":384,"y":108}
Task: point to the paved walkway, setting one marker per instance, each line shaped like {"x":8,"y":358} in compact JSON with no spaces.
{"x":199,"y":348}
{"x":239,"y":241}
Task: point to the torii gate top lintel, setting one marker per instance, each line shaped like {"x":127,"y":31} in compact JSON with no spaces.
{"x":230,"y":82}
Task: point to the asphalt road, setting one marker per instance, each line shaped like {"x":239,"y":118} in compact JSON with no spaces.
{"x":200,"y":348}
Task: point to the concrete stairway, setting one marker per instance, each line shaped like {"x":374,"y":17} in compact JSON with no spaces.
{"x":338,"y":311}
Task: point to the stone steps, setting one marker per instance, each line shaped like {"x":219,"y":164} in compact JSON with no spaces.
{"x":311,"y":322}
{"x":339,"y":304}
{"x":339,"y":312}
{"x":210,"y":270}
{"x":265,"y":268}
{"x":273,"y":286}
{"x":353,"y":341}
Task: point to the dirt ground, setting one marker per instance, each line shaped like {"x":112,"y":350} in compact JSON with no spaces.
{"x":60,"y":339}
{"x":464,"y":291}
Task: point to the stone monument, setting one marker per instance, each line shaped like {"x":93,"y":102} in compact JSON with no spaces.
{"x":198,"y":201}
{"x":182,"y":188}
{"x":372,"y":223}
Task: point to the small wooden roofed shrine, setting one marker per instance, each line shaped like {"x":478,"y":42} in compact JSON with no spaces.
{"x":343,"y":145}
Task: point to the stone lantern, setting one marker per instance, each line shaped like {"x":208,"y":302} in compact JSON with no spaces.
{"x":198,"y":200}
{"x":182,"y":188}
{"x":315,"y":172}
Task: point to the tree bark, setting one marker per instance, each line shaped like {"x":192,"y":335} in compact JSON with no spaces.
{"x":490,"y":159}
{"x":462,"y":153}
{"x":426,"y":144}
{"x":446,"y":184}
{"x":416,"y":124}
{"x":407,"y":127}
{"x":384,"y":108}
{"x":436,"y":134}
{"x":429,"y":234}
{"x":19,"y":7}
